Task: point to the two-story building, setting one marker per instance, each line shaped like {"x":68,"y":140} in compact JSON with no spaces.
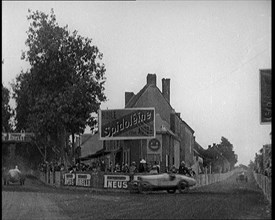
{"x":174,"y":140}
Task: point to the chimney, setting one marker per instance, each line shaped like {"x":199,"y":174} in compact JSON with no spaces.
{"x":151,"y":79}
{"x":166,"y":89}
{"x":178,"y":114}
{"x":128,"y":96}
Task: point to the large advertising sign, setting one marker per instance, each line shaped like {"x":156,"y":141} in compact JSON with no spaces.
{"x":265,"y":95}
{"x":69,"y":179}
{"x":17,"y":137}
{"x":83,"y":179}
{"x":77,"y":179}
{"x":116,"y":181}
{"x":131,"y":123}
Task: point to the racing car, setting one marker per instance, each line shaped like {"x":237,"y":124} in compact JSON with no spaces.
{"x":165,"y":181}
{"x":242,"y":177}
{"x":14,"y":176}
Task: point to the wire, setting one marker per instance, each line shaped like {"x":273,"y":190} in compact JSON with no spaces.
{"x":235,"y":70}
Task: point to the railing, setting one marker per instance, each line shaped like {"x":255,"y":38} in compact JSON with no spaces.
{"x":265,"y":184}
{"x":98,"y":179}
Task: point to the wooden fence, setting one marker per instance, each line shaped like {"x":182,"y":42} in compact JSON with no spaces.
{"x":264,"y":183}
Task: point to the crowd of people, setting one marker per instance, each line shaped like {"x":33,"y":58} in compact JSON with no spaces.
{"x":99,"y":165}
{"x":54,"y":166}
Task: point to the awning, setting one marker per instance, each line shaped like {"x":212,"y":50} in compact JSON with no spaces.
{"x":97,"y":154}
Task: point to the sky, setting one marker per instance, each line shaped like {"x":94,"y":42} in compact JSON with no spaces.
{"x":212,"y":52}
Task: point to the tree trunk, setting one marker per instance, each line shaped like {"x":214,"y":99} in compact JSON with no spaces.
{"x":62,"y":139}
{"x":73,"y":149}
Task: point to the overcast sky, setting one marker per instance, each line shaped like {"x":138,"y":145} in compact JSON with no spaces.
{"x":211,"y":50}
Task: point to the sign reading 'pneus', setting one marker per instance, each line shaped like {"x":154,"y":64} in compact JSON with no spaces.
{"x":131,"y":123}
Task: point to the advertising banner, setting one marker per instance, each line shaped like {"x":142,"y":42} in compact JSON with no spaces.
{"x":116,"y":181}
{"x":131,"y":123}
{"x":69,"y":179}
{"x":17,"y":137}
{"x":265,"y":97}
{"x":83,"y":179}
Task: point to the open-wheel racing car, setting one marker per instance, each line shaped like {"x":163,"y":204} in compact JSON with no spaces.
{"x":170,"y":182}
{"x":14,"y":176}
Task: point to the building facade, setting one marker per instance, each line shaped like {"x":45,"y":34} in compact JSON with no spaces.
{"x":174,"y":140}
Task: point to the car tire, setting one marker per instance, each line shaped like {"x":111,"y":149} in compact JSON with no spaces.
{"x":171,"y":191}
{"x":182,"y":186}
{"x":133,"y":187}
{"x":144,"y":187}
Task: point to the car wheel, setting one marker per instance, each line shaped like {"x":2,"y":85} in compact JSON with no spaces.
{"x":182,"y":186}
{"x":133,"y":187}
{"x":171,"y":190}
{"x":144,"y":187}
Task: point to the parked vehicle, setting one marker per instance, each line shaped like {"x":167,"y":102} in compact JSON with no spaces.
{"x":170,"y":182}
{"x":14,"y":176}
{"x":242,"y":177}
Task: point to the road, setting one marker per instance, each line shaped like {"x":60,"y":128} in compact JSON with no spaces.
{"x":225,"y":200}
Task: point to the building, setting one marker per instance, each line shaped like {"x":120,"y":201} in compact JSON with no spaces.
{"x":174,"y":140}
{"x":198,"y":158}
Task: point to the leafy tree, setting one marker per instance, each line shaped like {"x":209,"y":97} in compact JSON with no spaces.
{"x":65,"y":84}
{"x":7,"y":112}
{"x":226,"y":148}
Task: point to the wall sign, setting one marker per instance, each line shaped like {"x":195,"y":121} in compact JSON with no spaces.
{"x":154,"y":144}
{"x":131,"y":123}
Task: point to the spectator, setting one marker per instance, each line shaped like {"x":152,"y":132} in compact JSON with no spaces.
{"x":141,"y":168}
{"x":133,"y":168}
{"x":62,"y":167}
{"x":154,"y":170}
{"x":111,"y":167}
{"x":183,"y":169}
{"x":148,"y":167}
{"x":117,"y":168}
{"x":173,"y":169}
{"x":157,"y":165}
{"x":126,"y":168}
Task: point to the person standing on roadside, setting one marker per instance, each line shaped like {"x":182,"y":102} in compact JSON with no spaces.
{"x":183,"y":169}
{"x":132,"y":170}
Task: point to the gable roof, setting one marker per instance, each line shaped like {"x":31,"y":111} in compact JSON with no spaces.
{"x":136,"y":97}
{"x":91,"y":145}
{"x":133,"y":101}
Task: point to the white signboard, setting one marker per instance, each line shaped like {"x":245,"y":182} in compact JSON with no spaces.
{"x":116,"y":181}
{"x":69,"y":179}
{"x":83,"y":179}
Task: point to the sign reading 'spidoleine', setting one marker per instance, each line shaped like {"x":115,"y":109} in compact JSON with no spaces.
{"x":131,"y":123}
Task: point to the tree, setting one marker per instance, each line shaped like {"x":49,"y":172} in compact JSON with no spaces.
{"x":65,"y":84}
{"x":226,"y":148}
{"x":6,"y":110}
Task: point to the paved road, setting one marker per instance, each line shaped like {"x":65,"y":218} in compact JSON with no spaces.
{"x":224,"y":200}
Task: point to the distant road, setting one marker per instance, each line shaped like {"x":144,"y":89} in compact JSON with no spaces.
{"x":224,"y":200}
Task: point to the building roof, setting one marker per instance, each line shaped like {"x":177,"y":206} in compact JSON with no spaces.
{"x":136,"y":97}
{"x":132,"y":102}
{"x":90,"y":144}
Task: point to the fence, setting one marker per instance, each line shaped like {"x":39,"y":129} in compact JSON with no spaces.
{"x":101,"y":180}
{"x":265,"y":184}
